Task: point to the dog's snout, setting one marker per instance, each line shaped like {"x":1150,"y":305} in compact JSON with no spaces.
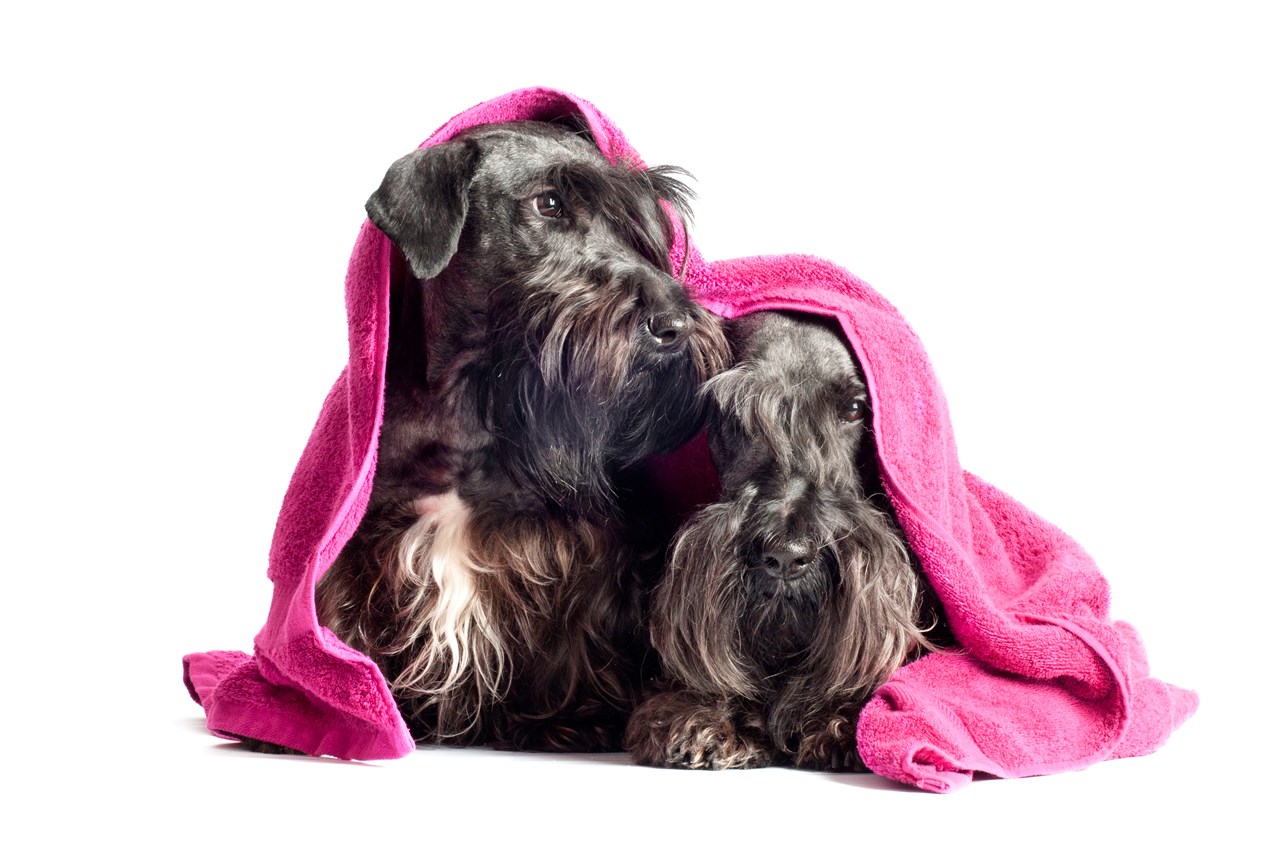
{"x":668,"y":330}
{"x":786,"y":560}
{"x":669,"y":316}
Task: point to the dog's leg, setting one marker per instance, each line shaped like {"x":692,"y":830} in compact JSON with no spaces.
{"x":685,"y":730}
{"x":595,"y":727}
{"x":260,"y":746}
{"x":584,"y":687}
{"x":574,"y":707}
{"x":832,"y":747}
{"x":587,"y":716}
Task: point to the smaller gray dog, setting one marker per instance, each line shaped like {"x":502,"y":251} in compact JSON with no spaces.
{"x":785,"y":604}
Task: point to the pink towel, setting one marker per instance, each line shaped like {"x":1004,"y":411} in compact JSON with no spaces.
{"x":1047,"y":682}
{"x":1044,"y":681}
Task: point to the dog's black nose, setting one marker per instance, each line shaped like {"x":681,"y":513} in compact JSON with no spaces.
{"x":669,"y":330}
{"x":786,"y":560}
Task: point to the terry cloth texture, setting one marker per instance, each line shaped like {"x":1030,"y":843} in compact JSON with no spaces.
{"x":1045,"y":682}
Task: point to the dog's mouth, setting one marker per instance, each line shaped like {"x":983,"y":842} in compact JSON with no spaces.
{"x":787,"y":587}
{"x":787,"y":584}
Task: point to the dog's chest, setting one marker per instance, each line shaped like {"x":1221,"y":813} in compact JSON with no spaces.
{"x":483,"y":561}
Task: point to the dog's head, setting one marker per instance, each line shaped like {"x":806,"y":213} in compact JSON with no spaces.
{"x":554,"y":263}
{"x":798,"y":569}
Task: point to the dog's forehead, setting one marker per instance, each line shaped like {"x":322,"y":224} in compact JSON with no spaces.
{"x":797,"y":347}
{"x":516,"y":153}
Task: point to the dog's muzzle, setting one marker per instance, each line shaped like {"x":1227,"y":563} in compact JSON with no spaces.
{"x":785,"y":560}
{"x":669,"y":320}
{"x":669,"y":330}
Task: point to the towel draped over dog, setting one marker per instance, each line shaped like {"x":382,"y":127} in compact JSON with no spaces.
{"x":1043,"y":680}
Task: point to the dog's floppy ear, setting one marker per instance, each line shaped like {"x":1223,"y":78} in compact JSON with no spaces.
{"x":422,"y":202}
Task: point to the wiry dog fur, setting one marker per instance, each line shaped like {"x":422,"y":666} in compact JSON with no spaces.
{"x":785,"y":604}
{"x":538,"y":345}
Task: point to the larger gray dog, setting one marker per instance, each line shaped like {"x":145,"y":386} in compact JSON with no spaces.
{"x":538,"y":346}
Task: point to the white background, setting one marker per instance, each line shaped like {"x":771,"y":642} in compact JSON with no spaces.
{"x":1070,"y":206}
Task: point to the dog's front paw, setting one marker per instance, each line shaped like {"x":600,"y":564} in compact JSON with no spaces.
{"x":833,"y":748}
{"x":681,"y":731}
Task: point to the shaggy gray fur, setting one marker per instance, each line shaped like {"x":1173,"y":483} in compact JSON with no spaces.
{"x":785,"y":604}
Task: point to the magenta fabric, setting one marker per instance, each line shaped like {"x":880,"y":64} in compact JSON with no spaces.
{"x":1045,"y":681}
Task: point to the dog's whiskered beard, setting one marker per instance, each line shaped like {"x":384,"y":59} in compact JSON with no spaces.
{"x":537,"y":346}
{"x":780,"y":615}
{"x":579,"y":390}
{"x":839,"y":628}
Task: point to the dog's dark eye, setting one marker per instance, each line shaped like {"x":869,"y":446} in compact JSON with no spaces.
{"x":549,"y":204}
{"x":855,"y":412}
